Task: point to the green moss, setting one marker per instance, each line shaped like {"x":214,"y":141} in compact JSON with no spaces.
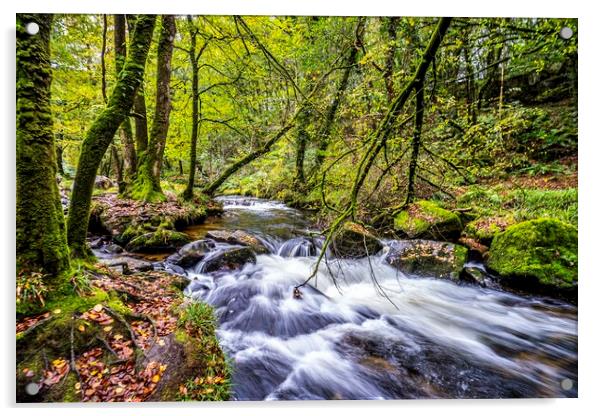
{"x":426,"y":219}
{"x":543,"y":249}
{"x":484,"y":229}
{"x":158,"y":240}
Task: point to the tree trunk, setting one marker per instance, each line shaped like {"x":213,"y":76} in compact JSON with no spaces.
{"x":103,"y":129}
{"x":127,"y":139}
{"x":148,"y":182}
{"x":189,"y":191}
{"x":325,"y":131}
{"x":41,"y":241}
{"x":59,"y":159}
{"x":302,"y":139}
{"x":140,"y":122}
{"x":180,"y":167}
{"x":411,"y":193}
{"x":392,"y":24}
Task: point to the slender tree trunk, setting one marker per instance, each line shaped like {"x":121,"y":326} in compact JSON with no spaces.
{"x":140,"y":122}
{"x":189,"y":191}
{"x":125,"y":132}
{"x":103,"y":129}
{"x":59,"y":159}
{"x":326,"y":129}
{"x":302,"y":139}
{"x":392,"y":25}
{"x":41,"y":241}
{"x":148,"y":182}
{"x":102,"y":59}
{"x":416,"y":138}
{"x":180,"y":167}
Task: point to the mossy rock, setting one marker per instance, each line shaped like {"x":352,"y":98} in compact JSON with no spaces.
{"x":427,"y":258}
{"x":157,"y":241}
{"x":542,"y":251}
{"x":353,"y":240}
{"x":427,"y":220}
{"x":484,"y":229}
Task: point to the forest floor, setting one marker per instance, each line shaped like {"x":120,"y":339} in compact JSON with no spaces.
{"x":124,"y":338}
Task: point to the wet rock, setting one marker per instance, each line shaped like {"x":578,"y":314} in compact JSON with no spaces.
{"x":113,"y":248}
{"x":536,"y":253}
{"x":229,"y":259}
{"x":103,"y":182}
{"x":239,"y":237}
{"x":425,"y":219}
{"x":96,"y":244}
{"x":157,"y":241}
{"x":191,"y":253}
{"x":474,"y":275}
{"x":353,"y":240}
{"x":127,"y":265}
{"x":428,"y":258}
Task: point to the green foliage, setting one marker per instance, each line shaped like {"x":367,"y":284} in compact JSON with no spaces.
{"x":543,"y":249}
{"x":31,"y":289}
{"x":197,"y":325}
{"x":522,"y":204}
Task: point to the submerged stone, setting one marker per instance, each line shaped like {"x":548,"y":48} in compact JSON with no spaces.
{"x":541,"y":252}
{"x":427,"y":258}
{"x":425,"y":219}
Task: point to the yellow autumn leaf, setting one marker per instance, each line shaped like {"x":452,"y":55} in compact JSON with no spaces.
{"x":156,"y":378}
{"x":107,"y":328}
{"x":97,"y":307}
{"x":56,"y":311}
{"x":81,"y":328}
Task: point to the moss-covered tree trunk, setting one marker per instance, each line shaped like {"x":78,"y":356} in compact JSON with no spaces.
{"x":127,"y":139}
{"x":41,"y":237}
{"x":302,"y":139}
{"x":103,"y":129}
{"x":148,"y":182}
{"x":192,"y":54}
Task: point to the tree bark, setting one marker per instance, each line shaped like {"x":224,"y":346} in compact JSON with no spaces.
{"x":127,"y":139}
{"x":302,"y":139}
{"x":103,"y":129}
{"x":148,"y":183}
{"x":189,"y":191}
{"x":411,"y":192}
{"x":41,"y":241}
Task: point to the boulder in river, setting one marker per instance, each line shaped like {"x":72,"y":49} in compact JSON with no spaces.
{"x":191,"y":253}
{"x":426,"y":219}
{"x":229,"y":259}
{"x":239,"y":237}
{"x":428,"y":258}
{"x":353,"y":240}
{"x":540,"y":252}
{"x":159,"y":240}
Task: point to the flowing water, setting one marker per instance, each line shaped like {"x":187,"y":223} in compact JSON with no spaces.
{"x":363,"y":330}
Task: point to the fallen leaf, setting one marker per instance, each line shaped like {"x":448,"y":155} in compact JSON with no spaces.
{"x":97,"y":307}
{"x":107,"y":328}
{"x":156,"y":378}
{"x":56,"y":311}
{"x":81,"y":328}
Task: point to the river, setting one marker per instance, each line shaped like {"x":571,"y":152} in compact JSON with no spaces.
{"x":363,"y":330}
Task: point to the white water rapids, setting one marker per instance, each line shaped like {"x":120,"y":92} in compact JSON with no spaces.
{"x":406,"y":337}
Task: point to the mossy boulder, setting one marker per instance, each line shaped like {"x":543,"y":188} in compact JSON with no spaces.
{"x":427,"y":258}
{"x":484,"y":229}
{"x":542,"y":251}
{"x":159,"y":240}
{"x":427,"y":220}
{"x":353,"y":240}
{"x":191,"y":253}
{"x":239,"y":237}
